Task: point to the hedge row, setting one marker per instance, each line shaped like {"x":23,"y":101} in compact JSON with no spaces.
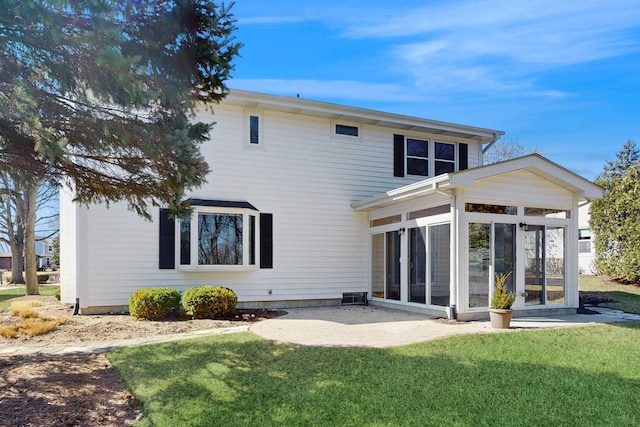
{"x":204,"y":302}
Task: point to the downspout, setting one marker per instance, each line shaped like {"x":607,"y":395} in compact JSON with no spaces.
{"x":451,"y":310}
{"x":496,"y":137}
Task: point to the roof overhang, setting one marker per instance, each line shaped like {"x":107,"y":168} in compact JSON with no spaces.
{"x":534,"y":163}
{"x":219,"y":203}
{"x":332,"y":111}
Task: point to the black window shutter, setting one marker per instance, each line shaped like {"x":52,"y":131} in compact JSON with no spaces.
{"x":463,"y":160}
{"x":398,"y":155}
{"x":167,"y":253}
{"x":266,"y":240}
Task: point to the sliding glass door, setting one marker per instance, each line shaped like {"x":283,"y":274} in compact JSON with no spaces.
{"x":425,"y":276}
{"x":385,"y":265}
{"x":479,"y":264}
{"x":417,"y":265}
{"x":544,"y":265}
{"x":492,"y":249}
{"x":440,"y":264}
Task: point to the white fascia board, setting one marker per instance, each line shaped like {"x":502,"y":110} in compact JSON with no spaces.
{"x":408,"y":192}
{"x":361,"y":115}
{"x":537,"y":165}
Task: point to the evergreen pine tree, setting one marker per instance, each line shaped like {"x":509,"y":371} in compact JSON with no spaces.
{"x":99,"y":95}
{"x":615,"y":219}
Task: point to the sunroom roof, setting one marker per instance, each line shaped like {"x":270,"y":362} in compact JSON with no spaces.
{"x":534,"y":163}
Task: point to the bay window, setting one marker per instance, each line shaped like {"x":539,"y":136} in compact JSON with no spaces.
{"x":215,"y":238}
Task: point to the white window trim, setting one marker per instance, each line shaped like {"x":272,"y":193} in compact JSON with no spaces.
{"x":245,"y":266}
{"x":431,"y":158}
{"x":335,"y":135}
{"x":246,"y":137}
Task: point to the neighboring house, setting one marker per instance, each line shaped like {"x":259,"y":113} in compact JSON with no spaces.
{"x":310,"y":203}
{"x":586,"y":241}
{"x":6,"y":259}
{"x":44,"y":252}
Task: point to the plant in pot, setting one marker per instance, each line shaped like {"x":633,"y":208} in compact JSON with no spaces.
{"x":500,"y":311}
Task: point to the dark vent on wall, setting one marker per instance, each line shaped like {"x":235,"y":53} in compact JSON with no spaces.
{"x":354,"y":298}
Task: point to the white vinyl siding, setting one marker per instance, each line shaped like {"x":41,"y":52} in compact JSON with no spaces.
{"x":508,"y":189}
{"x":305,"y":178}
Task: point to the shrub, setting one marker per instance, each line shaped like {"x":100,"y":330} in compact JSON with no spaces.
{"x":57,"y":294}
{"x":209,"y":302}
{"x":24,"y":309}
{"x":502,"y":298}
{"x":43,"y":278}
{"x":31,"y":327}
{"x":154,"y":303}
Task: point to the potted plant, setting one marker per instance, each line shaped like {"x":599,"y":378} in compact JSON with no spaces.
{"x":500,"y":311}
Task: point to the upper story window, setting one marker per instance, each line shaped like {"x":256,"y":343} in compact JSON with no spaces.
{"x":425,"y":157}
{"x":253,"y":128}
{"x":347,"y":130}
{"x":417,"y":157}
{"x":445,"y":158}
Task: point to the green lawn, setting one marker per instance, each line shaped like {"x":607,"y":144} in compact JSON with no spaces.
{"x":587,"y":376}
{"x":626,"y":297}
{"x":7,"y":294}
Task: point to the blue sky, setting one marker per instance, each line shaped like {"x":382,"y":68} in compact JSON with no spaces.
{"x":561,"y":76}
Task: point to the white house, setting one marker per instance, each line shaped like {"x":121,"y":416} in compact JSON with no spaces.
{"x":586,"y":241}
{"x":44,"y":252}
{"x":311,"y":203}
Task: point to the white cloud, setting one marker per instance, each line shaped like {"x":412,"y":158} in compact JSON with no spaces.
{"x":487,"y":47}
{"x":499,"y":45}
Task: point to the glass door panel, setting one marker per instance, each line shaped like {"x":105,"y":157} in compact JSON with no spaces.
{"x":417,"y":265}
{"x":392,"y":262}
{"x":504,"y":254}
{"x":479,"y":264}
{"x":377,"y":265}
{"x":440,"y":264}
{"x":534,"y":271}
{"x":554,"y":270}
{"x":544,"y":265}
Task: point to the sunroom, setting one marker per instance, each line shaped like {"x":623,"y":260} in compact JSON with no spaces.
{"x":437,"y":245}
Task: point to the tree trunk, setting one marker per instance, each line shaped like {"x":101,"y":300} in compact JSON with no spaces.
{"x":17,"y":259}
{"x":30,"y":259}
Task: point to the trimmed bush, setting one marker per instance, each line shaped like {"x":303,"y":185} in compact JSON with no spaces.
{"x":209,"y":302}
{"x":43,"y":278}
{"x":154,"y":303}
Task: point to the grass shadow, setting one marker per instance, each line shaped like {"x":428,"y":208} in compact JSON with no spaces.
{"x":562,"y":377}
